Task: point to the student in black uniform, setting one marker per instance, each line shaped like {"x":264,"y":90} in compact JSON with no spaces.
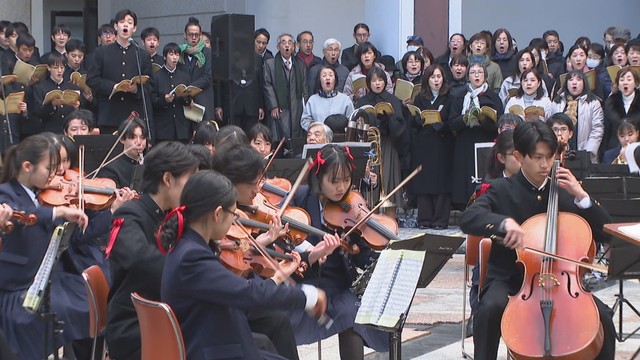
{"x":53,"y":113}
{"x":15,"y":120}
{"x":503,"y":207}
{"x":203,"y":292}
{"x":123,"y":169}
{"x":135,"y":260}
{"x":151,"y":41}
{"x":170,"y":123}
{"x":205,"y":134}
{"x":116,"y":62}
{"x":60,"y":35}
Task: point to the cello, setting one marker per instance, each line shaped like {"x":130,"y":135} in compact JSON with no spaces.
{"x":553,"y":316}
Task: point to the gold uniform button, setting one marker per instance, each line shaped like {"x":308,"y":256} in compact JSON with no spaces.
{"x":124,"y":52}
{"x":123,"y":75}
{"x":123,"y":63}
{"x":172,"y":86}
{"x":539,"y":198}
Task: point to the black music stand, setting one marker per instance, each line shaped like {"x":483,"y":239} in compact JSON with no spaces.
{"x":438,"y":249}
{"x":579,"y":162}
{"x":286,"y":168}
{"x":96,"y":148}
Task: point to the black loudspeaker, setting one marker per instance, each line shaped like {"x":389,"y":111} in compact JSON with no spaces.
{"x":232,"y":46}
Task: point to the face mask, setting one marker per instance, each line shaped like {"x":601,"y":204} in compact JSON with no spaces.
{"x":412,"y":48}
{"x":592,"y":63}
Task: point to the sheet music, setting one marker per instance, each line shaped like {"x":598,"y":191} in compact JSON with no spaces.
{"x":631,"y":230}
{"x":391,"y":288}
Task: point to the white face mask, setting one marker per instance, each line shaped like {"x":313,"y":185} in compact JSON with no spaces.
{"x":412,"y":48}
{"x":592,"y":63}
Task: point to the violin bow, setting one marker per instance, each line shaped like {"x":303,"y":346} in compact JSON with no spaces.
{"x":594,"y":267}
{"x":81,"y":178}
{"x":375,"y":208}
{"x":273,"y":156}
{"x":94,"y":173}
{"x":115,"y":143}
{"x":287,"y":199}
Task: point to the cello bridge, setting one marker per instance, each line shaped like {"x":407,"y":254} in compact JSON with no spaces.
{"x":547,"y":280}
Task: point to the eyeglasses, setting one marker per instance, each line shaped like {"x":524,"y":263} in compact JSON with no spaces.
{"x":235,"y":216}
{"x":473,"y":73}
{"x":193,"y":34}
{"x":560,"y":130}
{"x":455,"y":41}
{"x":107,"y":34}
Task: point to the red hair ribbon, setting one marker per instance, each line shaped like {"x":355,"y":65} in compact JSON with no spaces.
{"x":318,"y":161}
{"x":346,"y":148}
{"x":116,"y":225}
{"x":179,"y":212}
{"x":483,"y":188}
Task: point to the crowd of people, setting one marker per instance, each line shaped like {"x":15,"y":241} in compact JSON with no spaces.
{"x":182,"y":179}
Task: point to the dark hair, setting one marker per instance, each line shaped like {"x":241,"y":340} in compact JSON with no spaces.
{"x":622,"y":72}
{"x":627,"y":125}
{"x":509,"y":119}
{"x":260,"y":129}
{"x":516,"y":61}
{"x":168,"y":156}
{"x":550,"y":33}
{"x":241,"y":163}
{"x":192,"y":21}
{"x":170,"y":47}
{"x":75,"y":44}
{"x":481,"y":36}
{"x":136,"y":122}
{"x":336,"y":161}
{"x":585,"y":88}
{"x":561,"y":118}
{"x":583,"y":41}
{"x":632,"y":45}
{"x":598,"y":49}
{"x":361,"y":26}
{"x":55,"y":58}
{"x":106,"y":28}
{"x":230,"y":134}
{"x":405,"y":59}
{"x":529,"y":133}
{"x":319,"y":80}
{"x":495,"y":36}
{"x":61,"y":141}
{"x":539,"y":43}
{"x":4,"y":24}
{"x":337,"y":123}
{"x":85,"y":116}
{"x":61,"y":28}
{"x":25,"y":39}
{"x":464,"y":44}
{"x":536,"y":73}
{"x":425,"y":92}
{"x":204,"y":192}
{"x":363,"y":48}
{"x":575,"y":48}
{"x":20,"y":27}
{"x":150,"y":31}
{"x":120,"y":15}
{"x":33,"y":149}
{"x":262,"y":31}
{"x":427,"y":54}
{"x":380,"y":73}
{"x":299,"y":37}
{"x":203,"y":155}
{"x":459,"y":59}
{"x":207,"y":35}
{"x":504,"y":144}
{"x":205,"y":134}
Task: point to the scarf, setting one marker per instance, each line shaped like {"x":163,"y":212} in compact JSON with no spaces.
{"x":471,"y":97}
{"x":195,"y":51}
{"x":477,"y":59}
{"x":327,"y":95}
{"x":412,"y":77}
{"x":306,"y":59}
{"x":282,"y":85}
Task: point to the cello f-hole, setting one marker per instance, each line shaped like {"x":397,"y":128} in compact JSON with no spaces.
{"x":573,"y":294}
{"x":533,"y":282}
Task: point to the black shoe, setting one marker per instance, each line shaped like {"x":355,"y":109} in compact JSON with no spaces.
{"x":469,"y":327}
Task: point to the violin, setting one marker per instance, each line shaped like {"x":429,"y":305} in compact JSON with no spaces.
{"x":99,"y":193}
{"x":275,"y":190}
{"x":377,"y":230}
{"x":21,"y":218}
{"x":552,"y":301}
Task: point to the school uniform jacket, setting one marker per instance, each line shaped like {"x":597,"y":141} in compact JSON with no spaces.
{"x":517,"y":198}
{"x":170,"y":123}
{"x":52,"y":116}
{"x":202,"y":77}
{"x":211,"y":302}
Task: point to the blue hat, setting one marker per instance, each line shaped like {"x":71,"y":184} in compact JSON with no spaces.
{"x":415,"y":38}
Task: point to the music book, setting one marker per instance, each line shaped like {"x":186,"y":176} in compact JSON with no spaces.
{"x":25,"y":72}
{"x":13,"y":103}
{"x":69,"y":97}
{"x":194,"y":113}
{"x":390,"y":290}
{"x":359,"y":82}
{"x":530,"y":112}
{"x":405,"y":90}
{"x":613,"y":71}
{"x":79,"y":80}
{"x":513,"y":92}
{"x":155,"y":67}
{"x":8,"y":79}
{"x":183,"y":90}
{"x":379,"y":109}
{"x":490,"y":113}
{"x":124,"y":84}
{"x":631,"y":230}
{"x":429,"y":116}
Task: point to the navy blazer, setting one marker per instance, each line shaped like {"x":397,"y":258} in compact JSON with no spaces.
{"x":210,"y":301}
{"x":25,"y":246}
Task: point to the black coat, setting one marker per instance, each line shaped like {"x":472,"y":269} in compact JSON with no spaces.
{"x":111,"y":64}
{"x":52,"y":117}
{"x":395,"y":125}
{"x":466,"y":138}
{"x":556,"y":64}
{"x":432,"y":147}
{"x":246,"y":98}
{"x":614,"y":114}
{"x":169,"y":120}
{"x":14,"y":119}
{"x":201,"y":77}
{"x":507,"y":63}
{"x":123,"y":171}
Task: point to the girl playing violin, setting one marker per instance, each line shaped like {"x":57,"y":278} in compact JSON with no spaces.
{"x":205,"y":295}
{"x":330,"y":179}
{"x":28,"y":168}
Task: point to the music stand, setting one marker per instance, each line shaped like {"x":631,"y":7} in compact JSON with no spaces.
{"x":96,"y":148}
{"x":482,"y":153}
{"x":579,"y":162}
{"x":624,"y":264}
{"x":286,"y":168}
{"x":437,"y":249}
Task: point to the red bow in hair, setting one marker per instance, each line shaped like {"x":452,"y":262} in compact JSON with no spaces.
{"x":318,"y":161}
{"x":483,"y":188}
{"x":116,"y":225}
{"x":346,"y":148}
{"x":179,"y":212}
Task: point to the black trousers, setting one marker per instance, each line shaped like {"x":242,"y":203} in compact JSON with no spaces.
{"x":433,"y":210}
{"x":277,"y":327}
{"x":5,"y":349}
{"x":493,"y":301}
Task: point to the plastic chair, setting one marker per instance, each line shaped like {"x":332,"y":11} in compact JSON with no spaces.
{"x":98,"y":291}
{"x":159,"y":329}
{"x":477,"y":252}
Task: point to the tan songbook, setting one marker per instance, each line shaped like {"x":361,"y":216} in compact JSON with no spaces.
{"x":430,"y":117}
{"x":530,"y":112}
{"x":29,"y":74}
{"x":183,"y":90}
{"x":69,"y":97}
{"x":7,"y":79}
{"x":405,"y":90}
{"x":79,"y":80}
{"x":490,"y":113}
{"x":13,"y":103}
{"x":359,"y":82}
{"x":613,"y":71}
{"x":513,"y":92}
{"x":414,"y":110}
{"x":123,"y":85}
{"x":194,"y":112}
{"x":589,"y":75}
{"x":155,"y":67}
